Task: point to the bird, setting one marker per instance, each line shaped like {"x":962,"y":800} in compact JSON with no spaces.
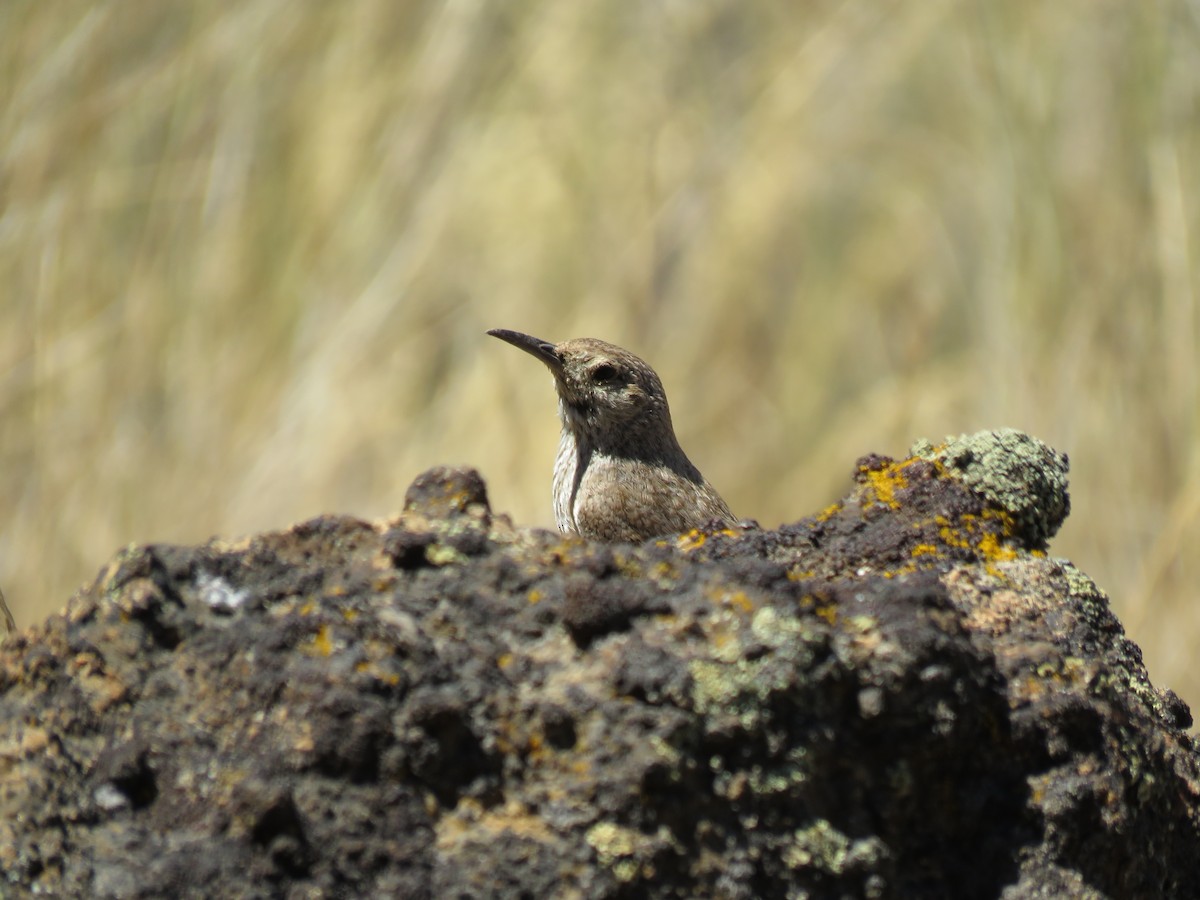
{"x":620,"y":474}
{"x":10,"y":624}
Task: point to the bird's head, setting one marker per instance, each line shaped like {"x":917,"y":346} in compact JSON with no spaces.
{"x":605,"y":391}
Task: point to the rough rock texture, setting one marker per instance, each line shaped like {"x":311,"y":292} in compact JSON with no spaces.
{"x":900,"y":697}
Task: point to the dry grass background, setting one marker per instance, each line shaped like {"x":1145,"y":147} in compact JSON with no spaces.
{"x":249,"y":251}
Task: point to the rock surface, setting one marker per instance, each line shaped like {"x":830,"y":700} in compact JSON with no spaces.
{"x":903,"y":696}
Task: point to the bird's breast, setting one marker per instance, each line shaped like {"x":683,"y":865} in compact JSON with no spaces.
{"x":567,"y":468}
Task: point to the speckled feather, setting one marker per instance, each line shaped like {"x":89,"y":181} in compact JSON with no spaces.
{"x":620,"y":474}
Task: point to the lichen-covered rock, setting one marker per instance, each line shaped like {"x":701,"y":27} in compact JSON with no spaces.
{"x":900,"y":697}
{"x":1015,"y":472}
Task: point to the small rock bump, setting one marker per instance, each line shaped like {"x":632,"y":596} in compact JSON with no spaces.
{"x":1012,"y":470}
{"x":444,"y":492}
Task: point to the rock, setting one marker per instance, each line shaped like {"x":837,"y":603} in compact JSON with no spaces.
{"x":902,"y":696}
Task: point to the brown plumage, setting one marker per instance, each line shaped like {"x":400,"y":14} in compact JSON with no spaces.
{"x":620,"y":474}
{"x":9,"y":624}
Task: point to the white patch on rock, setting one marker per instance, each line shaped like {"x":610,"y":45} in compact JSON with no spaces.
{"x":219,"y":593}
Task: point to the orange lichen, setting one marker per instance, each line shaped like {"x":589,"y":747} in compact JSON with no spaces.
{"x":739,"y":600}
{"x":321,"y":642}
{"x":694,"y":539}
{"x":370,"y":668}
{"x":663,"y":574}
{"x":986,"y":535}
{"x":955,"y":537}
{"x":828,"y":512}
{"x":828,"y":613}
{"x":883,"y":484}
{"x":993,"y":550}
{"x":824,"y":608}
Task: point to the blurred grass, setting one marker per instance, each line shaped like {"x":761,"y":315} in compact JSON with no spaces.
{"x":249,"y":252}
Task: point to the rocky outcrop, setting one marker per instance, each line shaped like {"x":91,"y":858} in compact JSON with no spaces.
{"x":903,"y":696}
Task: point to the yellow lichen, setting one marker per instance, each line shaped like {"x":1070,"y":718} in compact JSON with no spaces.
{"x":828,"y":512}
{"x":739,"y":600}
{"x":662,"y":570}
{"x":993,"y":550}
{"x":321,"y":643}
{"x":695,"y":539}
{"x":372,"y":669}
{"x":612,"y":842}
{"x":882,"y":485}
{"x":444,"y":555}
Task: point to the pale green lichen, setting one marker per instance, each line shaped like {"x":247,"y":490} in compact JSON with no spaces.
{"x":1078,"y":583}
{"x":773,"y":629}
{"x":664,"y":750}
{"x":739,"y":690}
{"x":444,"y":555}
{"x":625,"y":851}
{"x":1015,"y":472}
{"x":861,"y":624}
{"x":822,"y":846}
{"x":613,"y":842}
{"x":734,"y":688}
{"x":778,"y":780}
{"x":1130,"y":675}
{"x":734,"y":685}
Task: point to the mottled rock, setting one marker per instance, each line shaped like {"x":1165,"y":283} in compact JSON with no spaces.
{"x":902,"y":696}
{"x":1017,"y":473}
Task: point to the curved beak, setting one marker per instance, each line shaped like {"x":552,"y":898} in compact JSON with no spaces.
{"x":543,"y":350}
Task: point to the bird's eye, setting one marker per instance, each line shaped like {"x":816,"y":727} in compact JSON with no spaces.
{"x":604,"y":373}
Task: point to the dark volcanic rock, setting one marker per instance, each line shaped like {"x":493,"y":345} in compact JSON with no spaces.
{"x":900,"y":697}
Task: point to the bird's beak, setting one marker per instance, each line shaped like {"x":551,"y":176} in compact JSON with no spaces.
{"x":543,"y":350}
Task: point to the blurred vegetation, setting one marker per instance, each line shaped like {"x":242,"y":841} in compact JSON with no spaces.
{"x":249,"y":251}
